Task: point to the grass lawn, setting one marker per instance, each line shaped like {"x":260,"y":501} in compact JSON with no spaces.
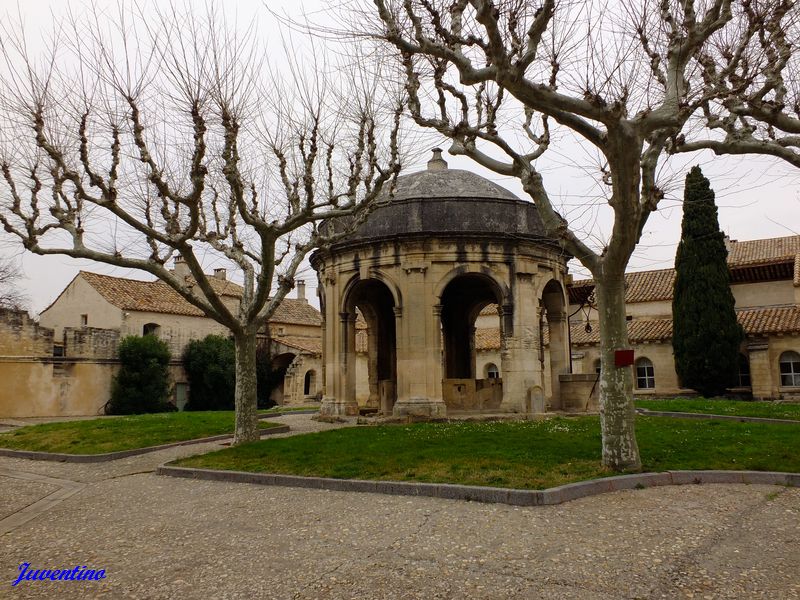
{"x":520,"y":454}
{"x":721,"y":406}
{"x":97,"y":436}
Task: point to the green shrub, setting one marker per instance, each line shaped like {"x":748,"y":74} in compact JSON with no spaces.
{"x":210,"y":366}
{"x":142,"y":384}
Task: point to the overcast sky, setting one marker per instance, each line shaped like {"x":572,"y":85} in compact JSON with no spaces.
{"x":757,"y":197}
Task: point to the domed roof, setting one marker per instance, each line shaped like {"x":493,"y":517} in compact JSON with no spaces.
{"x":453,"y":202}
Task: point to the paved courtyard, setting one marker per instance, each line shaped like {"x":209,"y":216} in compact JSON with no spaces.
{"x":160,"y":537}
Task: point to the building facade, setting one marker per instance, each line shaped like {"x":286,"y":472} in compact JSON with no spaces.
{"x":765,"y":281}
{"x":64,"y":364}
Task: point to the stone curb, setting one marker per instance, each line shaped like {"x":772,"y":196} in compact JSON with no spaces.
{"x":66,"y":489}
{"x":683,"y":415}
{"x":97,"y":458}
{"x":556,"y":495}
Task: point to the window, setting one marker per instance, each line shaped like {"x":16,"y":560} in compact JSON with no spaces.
{"x":491,"y":371}
{"x":84,"y":320}
{"x":151,"y":329}
{"x":744,"y":371}
{"x":597,"y":366}
{"x":790,"y":369}
{"x":645,"y":374}
{"x":310,"y":383}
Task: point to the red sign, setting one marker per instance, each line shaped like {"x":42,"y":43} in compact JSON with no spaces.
{"x":623,"y":358}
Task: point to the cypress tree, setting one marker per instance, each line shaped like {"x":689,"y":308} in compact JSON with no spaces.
{"x":706,"y":335}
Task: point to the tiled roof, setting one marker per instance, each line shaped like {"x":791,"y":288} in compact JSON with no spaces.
{"x":487,"y":338}
{"x":750,"y":252}
{"x":779,"y":319}
{"x":755,"y":321}
{"x":653,"y":286}
{"x":797,"y":270}
{"x":639,"y":330}
{"x":297,"y":312}
{"x":304,"y":344}
{"x":157,"y":296}
{"x":489,"y":310}
{"x":642,"y":286}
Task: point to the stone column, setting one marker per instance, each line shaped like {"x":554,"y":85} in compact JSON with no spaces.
{"x":415,"y":333}
{"x":559,"y":355}
{"x":343,"y":402}
{"x":519,"y":358}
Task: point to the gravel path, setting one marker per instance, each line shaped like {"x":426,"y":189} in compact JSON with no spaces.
{"x":161,"y":537}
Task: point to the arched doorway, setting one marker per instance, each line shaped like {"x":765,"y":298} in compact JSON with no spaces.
{"x":461,"y":302}
{"x":279,"y":367}
{"x":553,"y":304}
{"x":372,"y":299}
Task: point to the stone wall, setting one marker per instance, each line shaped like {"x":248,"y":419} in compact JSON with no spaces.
{"x":90,"y":342}
{"x":579,"y":392}
{"x":22,"y":336}
{"x":37,"y":384}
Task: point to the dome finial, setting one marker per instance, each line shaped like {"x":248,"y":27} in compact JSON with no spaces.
{"x":437,"y":163}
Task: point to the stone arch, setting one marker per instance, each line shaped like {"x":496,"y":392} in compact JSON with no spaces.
{"x":374,"y":274}
{"x":553,"y":303}
{"x":504,"y":295}
{"x":310,"y":383}
{"x":461,"y":300}
{"x":376,"y":302}
{"x":280,"y":367}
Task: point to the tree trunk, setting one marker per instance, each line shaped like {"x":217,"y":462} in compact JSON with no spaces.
{"x":246,"y":403}
{"x":617,"y":414}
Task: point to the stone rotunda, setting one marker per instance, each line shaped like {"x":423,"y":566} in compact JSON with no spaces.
{"x":414,"y":278}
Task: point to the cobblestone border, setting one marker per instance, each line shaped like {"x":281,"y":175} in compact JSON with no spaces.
{"x":556,"y":495}
{"x":645,"y":412}
{"x":66,"y":488}
{"x":97,"y":458}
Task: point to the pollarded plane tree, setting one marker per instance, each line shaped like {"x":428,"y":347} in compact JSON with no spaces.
{"x":140,"y":137}
{"x":754,"y":109}
{"x":505,"y":80}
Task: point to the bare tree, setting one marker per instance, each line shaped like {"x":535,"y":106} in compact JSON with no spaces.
{"x":506,"y":79}
{"x":754,"y":109}
{"x":10,"y":295}
{"x":140,"y":137}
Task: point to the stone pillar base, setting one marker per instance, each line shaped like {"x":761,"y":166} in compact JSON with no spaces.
{"x":420,"y":407}
{"x":332,"y":407}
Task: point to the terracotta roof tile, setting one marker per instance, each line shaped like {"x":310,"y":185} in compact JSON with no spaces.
{"x":298,"y":312}
{"x":653,"y":286}
{"x":157,"y":296}
{"x":756,"y":321}
{"x":490,"y":310}
{"x":639,"y":330}
{"x":305,"y":344}
{"x":751,"y":252}
{"x":778,"y":319}
{"x":797,"y":270}
{"x":487,"y":338}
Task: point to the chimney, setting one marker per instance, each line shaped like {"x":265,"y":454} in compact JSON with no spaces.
{"x":301,"y":290}
{"x":437,"y":163}
{"x":221,"y":274}
{"x":180,"y":268}
{"x":728,"y":242}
